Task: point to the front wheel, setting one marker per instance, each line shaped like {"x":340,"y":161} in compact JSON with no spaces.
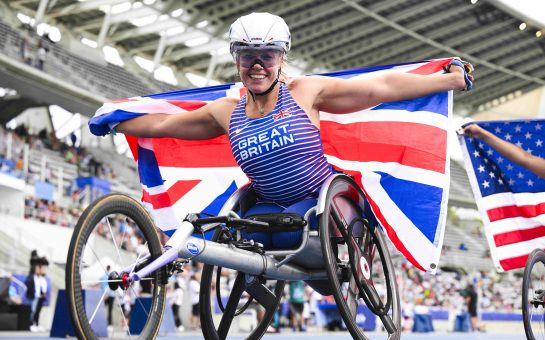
{"x":533,"y":295}
{"x":113,"y":235}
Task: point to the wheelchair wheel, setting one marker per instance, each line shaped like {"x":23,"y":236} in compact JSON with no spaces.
{"x":358,"y":263}
{"x":246,"y":293}
{"x":114,"y":232}
{"x":533,"y":295}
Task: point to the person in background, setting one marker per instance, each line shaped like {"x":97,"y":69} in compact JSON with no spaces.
{"x":297,"y":301}
{"x":194,"y":290}
{"x":110,"y":294}
{"x":37,"y":292}
{"x":34,"y":259}
{"x":508,"y":150}
{"x":471,"y":302}
{"x":42,"y":54}
{"x":177,"y":300}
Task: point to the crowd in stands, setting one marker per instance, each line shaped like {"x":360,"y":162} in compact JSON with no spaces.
{"x":447,"y":290}
{"x":33,"y":48}
{"x":68,"y":149}
{"x":12,"y":163}
{"x":49,"y":212}
{"x":417,"y":290}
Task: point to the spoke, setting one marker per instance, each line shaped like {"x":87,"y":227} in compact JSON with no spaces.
{"x":98,"y":305}
{"x":98,"y":260}
{"x":147,"y":279}
{"x":352,"y":297}
{"x":138,"y":256}
{"x":139,"y":301}
{"x":338,"y":221}
{"x":388,"y":323}
{"x":113,"y":240}
{"x":374,"y":297}
{"x":121,"y":242}
{"x":100,"y":281}
{"x":231,"y":307}
{"x":125,"y":322}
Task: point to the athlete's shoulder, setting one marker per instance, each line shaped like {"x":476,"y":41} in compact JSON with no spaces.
{"x":224,"y":104}
{"x":226,"y":101}
{"x":306,"y":86}
{"x":305,"y":82}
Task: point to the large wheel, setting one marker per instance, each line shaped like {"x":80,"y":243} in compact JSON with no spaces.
{"x":114,"y":231}
{"x":358,"y":263}
{"x":245,"y":291}
{"x":533,"y":295}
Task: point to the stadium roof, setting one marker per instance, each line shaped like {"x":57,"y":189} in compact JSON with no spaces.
{"x":190,"y":35}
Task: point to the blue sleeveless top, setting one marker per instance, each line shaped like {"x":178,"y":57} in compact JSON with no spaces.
{"x":281,"y":152}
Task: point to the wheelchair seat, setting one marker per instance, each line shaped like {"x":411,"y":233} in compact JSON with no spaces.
{"x":278,"y":222}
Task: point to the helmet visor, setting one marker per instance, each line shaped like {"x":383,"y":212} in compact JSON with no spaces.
{"x":247,"y":56}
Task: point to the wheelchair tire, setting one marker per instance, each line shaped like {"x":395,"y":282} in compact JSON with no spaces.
{"x":353,"y":250}
{"x":99,"y":241}
{"x":533,"y":294}
{"x":234,"y":306}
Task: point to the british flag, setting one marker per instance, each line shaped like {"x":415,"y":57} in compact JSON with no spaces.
{"x":282,"y":114}
{"x":396,"y":151}
{"x":510,"y":198}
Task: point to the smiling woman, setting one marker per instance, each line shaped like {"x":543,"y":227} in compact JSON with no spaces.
{"x":274,"y":128}
{"x":274,"y":134}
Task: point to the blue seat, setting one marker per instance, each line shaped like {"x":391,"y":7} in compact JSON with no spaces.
{"x":282,"y":239}
{"x":461,"y":323}
{"x":422,"y":323}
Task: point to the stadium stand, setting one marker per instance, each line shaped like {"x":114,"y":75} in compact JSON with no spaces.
{"x":465,"y":257}
{"x":111,"y":81}
{"x":460,"y":194}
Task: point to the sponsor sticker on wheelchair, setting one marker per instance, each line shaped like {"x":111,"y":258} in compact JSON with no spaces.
{"x":192,"y":248}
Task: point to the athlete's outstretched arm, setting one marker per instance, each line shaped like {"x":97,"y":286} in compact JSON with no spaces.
{"x":508,"y":150}
{"x":350,"y":95}
{"x":203,"y":123}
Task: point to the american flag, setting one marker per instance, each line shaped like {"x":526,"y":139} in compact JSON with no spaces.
{"x":396,"y":151}
{"x":510,"y":198}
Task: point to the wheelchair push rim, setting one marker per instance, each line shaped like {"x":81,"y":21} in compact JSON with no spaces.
{"x":533,"y":295}
{"x":233,"y":301}
{"x":358,"y":263}
{"x":114,"y":231}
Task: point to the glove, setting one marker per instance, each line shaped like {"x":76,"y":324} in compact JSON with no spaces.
{"x":468,"y":71}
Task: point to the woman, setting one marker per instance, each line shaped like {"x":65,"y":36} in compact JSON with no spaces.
{"x":274,"y":128}
{"x":508,"y":150}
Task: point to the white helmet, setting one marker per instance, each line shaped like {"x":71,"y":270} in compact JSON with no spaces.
{"x":259,"y":29}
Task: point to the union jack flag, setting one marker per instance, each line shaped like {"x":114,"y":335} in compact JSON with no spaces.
{"x":510,"y":198}
{"x":282,"y":114}
{"x":396,"y":151}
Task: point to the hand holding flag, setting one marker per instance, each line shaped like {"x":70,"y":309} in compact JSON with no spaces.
{"x":504,"y":160}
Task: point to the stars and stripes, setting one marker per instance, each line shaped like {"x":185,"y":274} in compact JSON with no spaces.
{"x":511,"y":199}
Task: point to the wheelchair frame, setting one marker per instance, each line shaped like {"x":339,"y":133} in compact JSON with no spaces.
{"x":270,"y":264}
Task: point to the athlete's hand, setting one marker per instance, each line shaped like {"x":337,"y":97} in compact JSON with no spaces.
{"x":462,"y":67}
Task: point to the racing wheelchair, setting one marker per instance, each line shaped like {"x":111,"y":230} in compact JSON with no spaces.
{"x":347,"y":252}
{"x":533,"y":295}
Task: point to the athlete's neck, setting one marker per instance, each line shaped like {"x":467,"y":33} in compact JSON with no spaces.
{"x":259,"y":106}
